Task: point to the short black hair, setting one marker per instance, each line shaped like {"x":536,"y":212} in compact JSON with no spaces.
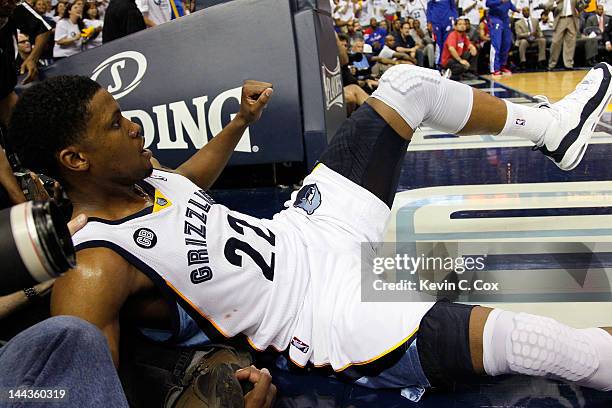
{"x":48,"y":117}
{"x":344,"y":37}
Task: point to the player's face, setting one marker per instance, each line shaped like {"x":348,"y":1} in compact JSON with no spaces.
{"x":114,"y":145}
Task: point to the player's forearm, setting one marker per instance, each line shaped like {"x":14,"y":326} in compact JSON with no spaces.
{"x":204,"y":167}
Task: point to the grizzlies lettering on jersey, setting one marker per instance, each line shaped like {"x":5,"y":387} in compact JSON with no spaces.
{"x":197,"y":210}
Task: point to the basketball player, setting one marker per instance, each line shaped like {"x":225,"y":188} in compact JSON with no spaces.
{"x":293,"y":283}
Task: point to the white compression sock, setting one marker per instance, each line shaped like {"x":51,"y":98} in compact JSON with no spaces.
{"x":539,"y":346}
{"x":526,"y":122}
{"x":422,"y":96}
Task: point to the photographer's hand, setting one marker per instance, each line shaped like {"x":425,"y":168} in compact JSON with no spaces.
{"x":8,"y":181}
{"x":77,"y":223}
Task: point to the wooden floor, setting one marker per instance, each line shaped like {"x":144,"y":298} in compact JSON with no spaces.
{"x":554,"y":85}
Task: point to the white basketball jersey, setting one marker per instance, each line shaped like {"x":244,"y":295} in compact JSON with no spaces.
{"x":217,"y":262}
{"x":293,"y":282}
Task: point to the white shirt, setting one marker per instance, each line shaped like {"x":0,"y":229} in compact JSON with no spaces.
{"x":97,"y":41}
{"x":386,"y":52}
{"x":473,"y":15}
{"x":416,"y":9}
{"x":366,"y":13}
{"x":66,"y":29}
{"x":345,"y":11}
{"x":567,"y":8}
{"x":378,"y":9}
{"x":157,"y":11}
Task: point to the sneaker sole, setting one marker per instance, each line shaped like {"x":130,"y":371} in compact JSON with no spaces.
{"x":589,"y":118}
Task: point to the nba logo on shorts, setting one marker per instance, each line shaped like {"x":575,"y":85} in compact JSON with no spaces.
{"x":145,"y":238}
{"x":308,"y":198}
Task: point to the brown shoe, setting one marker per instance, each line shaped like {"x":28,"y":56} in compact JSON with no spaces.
{"x":211,"y":382}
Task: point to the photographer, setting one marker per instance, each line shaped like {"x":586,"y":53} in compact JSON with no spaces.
{"x":12,"y":18}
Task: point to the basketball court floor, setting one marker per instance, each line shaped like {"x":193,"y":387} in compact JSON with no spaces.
{"x":487,"y":188}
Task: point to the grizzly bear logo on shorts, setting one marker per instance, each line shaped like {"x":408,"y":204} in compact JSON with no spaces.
{"x":308,"y":198}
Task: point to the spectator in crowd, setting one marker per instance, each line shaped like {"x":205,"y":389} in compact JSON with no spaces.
{"x":156,"y":12}
{"x":378,"y":9}
{"x":365,"y":14}
{"x":50,"y":12}
{"x":546,"y":22}
{"x":566,"y":27}
{"x":68,"y":38}
{"x":471,"y":10}
{"x":607,"y":38}
{"x":59,"y":10}
{"x":94,"y":25}
{"x":122,"y":18}
{"x":484,"y":44}
{"x":361,"y":64}
{"x":607,"y":5}
{"x":375,"y":35}
{"x":390,"y":11}
{"x":442,"y":15}
{"x":459,"y":54}
{"x":471,"y":31}
{"x":15,"y":17}
{"x":425,"y":43}
{"x":595,"y":26}
{"x":342,"y":12}
{"x":40,"y":6}
{"x":528,"y":34}
{"x":389,"y":51}
{"x":416,"y":9}
{"x":24,"y":50}
{"x":354,"y":96}
{"x":396,"y":27}
{"x":406,"y":44}
{"x":501,"y":35}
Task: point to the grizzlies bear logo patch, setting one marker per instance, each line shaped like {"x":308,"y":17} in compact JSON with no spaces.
{"x":308,"y":198}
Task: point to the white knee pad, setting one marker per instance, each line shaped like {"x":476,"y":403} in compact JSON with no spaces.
{"x":421,"y":96}
{"x":539,"y":346}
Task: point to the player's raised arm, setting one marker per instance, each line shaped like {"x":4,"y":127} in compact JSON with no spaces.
{"x":204,"y":167}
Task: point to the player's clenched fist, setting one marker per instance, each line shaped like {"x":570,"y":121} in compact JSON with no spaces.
{"x":255,"y":96}
{"x":263,"y":393}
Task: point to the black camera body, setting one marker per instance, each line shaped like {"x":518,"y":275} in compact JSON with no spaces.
{"x":36,"y":245}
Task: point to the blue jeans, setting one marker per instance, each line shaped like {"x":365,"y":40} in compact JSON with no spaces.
{"x":61,"y":353}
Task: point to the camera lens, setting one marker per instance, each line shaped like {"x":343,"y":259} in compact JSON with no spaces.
{"x":38,"y":245}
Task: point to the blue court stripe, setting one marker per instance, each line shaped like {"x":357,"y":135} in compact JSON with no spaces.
{"x":441,"y":136}
{"x":531,"y":212}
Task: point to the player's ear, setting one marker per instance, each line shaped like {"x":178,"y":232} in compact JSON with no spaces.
{"x":73,"y":159}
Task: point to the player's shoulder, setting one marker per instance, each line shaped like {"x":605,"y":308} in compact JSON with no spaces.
{"x":105,"y":267}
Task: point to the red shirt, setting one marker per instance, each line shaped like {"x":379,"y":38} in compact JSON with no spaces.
{"x":459,"y":41}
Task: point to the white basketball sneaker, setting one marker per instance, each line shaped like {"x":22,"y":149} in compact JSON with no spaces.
{"x":576,"y":116}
